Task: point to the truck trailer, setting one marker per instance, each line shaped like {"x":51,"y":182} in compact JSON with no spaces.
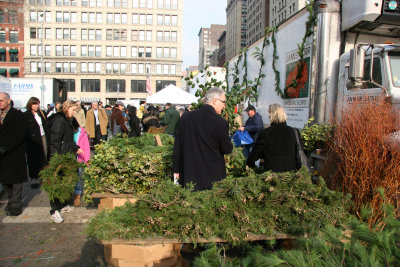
{"x":337,"y":67}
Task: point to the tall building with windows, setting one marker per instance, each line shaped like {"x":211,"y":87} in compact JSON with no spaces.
{"x":257,"y":19}
{"x":236,"y":28}
{"x":11,"y":38}
{"x":105,"y":49}
{"x":281,"y":10}
{"x":208,"y":43}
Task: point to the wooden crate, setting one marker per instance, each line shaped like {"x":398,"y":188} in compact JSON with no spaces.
{"x":110,"y":201}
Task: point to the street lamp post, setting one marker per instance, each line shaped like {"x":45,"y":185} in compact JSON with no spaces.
{"x":42,"y":86}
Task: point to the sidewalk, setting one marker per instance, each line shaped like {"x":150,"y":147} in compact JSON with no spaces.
{"x":32,"y":239}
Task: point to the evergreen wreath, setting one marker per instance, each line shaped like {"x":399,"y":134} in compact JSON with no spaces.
{"x":60,"y":176}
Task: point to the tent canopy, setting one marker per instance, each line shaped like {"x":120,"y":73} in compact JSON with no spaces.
{"x":171,"y":94}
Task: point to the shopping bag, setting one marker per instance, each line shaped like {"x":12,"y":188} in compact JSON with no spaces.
{"x":242,"y":138}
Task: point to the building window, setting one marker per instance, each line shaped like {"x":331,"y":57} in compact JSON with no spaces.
{"x":90,"y":85}
{"x":135,"y":35}
{"x":47,"y":67}
{"x":133,"y":68}
{"x":159,"y":19}
{"x":47,"y":50}
{"x":68,"y":84}
{"x":165,"y":69}
{"x":73,"y":51}
{"x":148,"y":51}
{"x":13,"y":55}
{"x":173,"y":36}
{"x":159,"y":52}
{"x":173,"y":69}
{"x":58,"y":67}
{"x":98,"y":67}
{"x":173,"y":52}
{"x":138,"y":86}
{"x":66,"y":50}
{"x":12,"y":17}
{"x":141,"y":68}
{"x":134,"y":51}
{"x":58,"y":50}
{"x":33,"y":67}
{"x":2,"y":36}
{"x":159,"y":69}
{"x":148,"y":35}
{"x":2,"y":55}
{"x":14,"y":37}
{"x":2,"y":17}
{"x":114,"y":85}
{"x":174,"y":20}
{"x":108,"y":67}
{"x":162,"y":84}
{"x":98,"y":51}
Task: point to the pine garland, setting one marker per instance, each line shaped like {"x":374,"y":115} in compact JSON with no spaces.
{"x":60,"y":176}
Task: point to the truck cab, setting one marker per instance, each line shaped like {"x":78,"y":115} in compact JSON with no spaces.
{"x":355,"y":82}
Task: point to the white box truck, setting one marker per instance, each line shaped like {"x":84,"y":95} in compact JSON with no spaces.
{"x":21,"y":89}
{"x":337,"y":56}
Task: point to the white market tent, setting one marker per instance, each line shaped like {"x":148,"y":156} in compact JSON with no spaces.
{"x":171,"y":94}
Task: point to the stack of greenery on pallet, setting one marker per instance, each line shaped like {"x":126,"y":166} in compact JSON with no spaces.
{"x":128,"y":166}
{"x":234,"y":209}
{"x":358,"y":246}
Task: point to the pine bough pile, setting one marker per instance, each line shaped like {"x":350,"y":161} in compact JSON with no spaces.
{"x":364,"y":247}
{"x":128,"y":166}
{"x":234,"y":209}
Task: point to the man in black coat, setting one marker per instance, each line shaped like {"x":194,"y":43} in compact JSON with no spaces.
{"x":201,"y":140}
{"x":13,"y":171}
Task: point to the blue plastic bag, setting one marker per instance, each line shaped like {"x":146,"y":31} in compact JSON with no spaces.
{"x":242,"y":138}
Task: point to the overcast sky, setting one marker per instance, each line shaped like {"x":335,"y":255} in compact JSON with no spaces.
{"x":197,"y":14}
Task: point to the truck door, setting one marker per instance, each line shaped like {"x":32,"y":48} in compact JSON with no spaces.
{"x":367,"y":91}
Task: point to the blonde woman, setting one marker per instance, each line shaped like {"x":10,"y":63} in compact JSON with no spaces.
{"x":62,"y":141}
{"x":276,"y":145}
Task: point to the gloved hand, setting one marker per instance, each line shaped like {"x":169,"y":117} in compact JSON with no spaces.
{"x":2,"y":150}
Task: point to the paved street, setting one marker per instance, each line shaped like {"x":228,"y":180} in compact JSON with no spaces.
{"x":32,"y":239}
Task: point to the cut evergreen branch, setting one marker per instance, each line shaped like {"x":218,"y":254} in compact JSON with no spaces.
{"x":234,"y":209}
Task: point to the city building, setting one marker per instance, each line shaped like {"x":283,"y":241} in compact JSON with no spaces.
{"x":221,"y":49}
{"x":236,"y":28}
{"x":12,"y":38}
{"x":281,"y":10}
{"x":257,"y":19}
{"x":208,"y":42}
{"x":105,"y":50}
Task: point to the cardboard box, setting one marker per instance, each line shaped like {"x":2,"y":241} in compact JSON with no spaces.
{"x":111,"y":203}
{"x":141,"y":254}
{"x":169,"y":262}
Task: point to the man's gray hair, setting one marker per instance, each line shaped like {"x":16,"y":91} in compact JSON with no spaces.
{"x":212,"y":93}
{"x":6,"y":94}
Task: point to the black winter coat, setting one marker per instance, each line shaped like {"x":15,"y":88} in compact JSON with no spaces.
{"x":201,"y":140}
{"x":12,"y":139}
{"x":62,"y":134}
{"x":134,"y":122}
{"x":34,"y":145}
{"x":277,"y":146}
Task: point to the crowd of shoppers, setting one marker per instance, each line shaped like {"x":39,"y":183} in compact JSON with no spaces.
{"x":201,"y":140}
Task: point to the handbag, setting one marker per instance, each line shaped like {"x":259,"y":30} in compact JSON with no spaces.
{"x":242,"y":138}
{"x":301,"y":158}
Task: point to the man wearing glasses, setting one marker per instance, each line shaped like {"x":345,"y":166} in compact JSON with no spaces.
{"x":201,"y":140}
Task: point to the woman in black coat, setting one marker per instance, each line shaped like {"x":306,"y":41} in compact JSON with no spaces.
{"x":37,"y":140}
{"x":62,"y":142}
{"x":151,"y":118}
{"x":134,"y":122}
{"x":277,"y":144}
